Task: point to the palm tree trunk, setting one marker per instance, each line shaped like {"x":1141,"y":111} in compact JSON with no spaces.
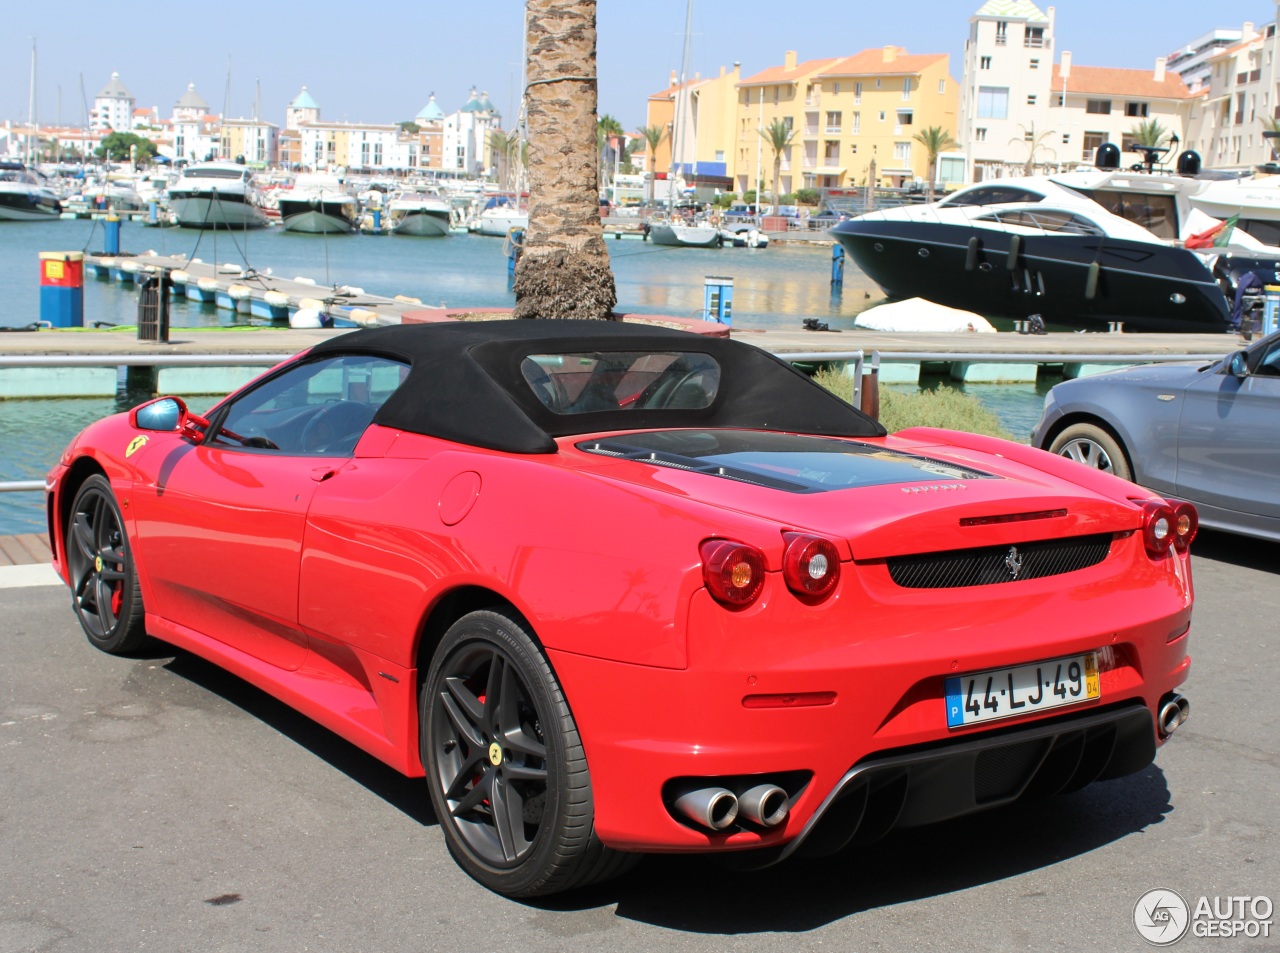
{"x":564,"y":269}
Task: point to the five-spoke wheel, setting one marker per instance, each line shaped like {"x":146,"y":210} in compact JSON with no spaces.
{"x":505,"y":767}
{"x":1094,"y":447}
{"x":104,"y":583}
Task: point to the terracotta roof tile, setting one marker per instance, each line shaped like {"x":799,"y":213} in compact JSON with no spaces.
{"x":872,"y":63}
{"x":778,"y":74}
{"x":1121,"y":82}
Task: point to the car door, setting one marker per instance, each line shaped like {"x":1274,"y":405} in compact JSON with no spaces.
{"x":1229,"y":439}
{"x":221,"y":532}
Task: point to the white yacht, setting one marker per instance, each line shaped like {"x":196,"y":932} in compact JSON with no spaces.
{"x":318,"y":204}
{"x":499,"y":216}
{"x":24,"y":197}
{"x":216,"y":195}
{"x":418,"y":213}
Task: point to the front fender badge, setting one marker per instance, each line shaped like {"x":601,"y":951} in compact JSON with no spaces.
{"x":136,"y":444}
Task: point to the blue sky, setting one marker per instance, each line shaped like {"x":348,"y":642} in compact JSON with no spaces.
{"x":379,"y":63}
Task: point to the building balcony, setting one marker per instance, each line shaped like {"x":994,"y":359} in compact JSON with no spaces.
{"x":1002,"y":40}
{"x":832,"y":130}
{"x":1034,"y":42}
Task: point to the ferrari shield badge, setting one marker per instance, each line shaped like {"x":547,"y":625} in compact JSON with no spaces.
{"x":136,"y":444}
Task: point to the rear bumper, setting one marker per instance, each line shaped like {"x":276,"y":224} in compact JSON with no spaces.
{"x":936,"y":783}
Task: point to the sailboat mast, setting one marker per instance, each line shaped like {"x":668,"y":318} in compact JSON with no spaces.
{"x":681,"y":92}
{"x":31,"y":108}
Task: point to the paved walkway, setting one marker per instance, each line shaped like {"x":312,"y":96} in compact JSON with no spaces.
{"x":24,"y":561}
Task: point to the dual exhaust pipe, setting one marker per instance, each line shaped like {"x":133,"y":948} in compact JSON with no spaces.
{"x":715,"y":808}
{"x":1172,"y":714}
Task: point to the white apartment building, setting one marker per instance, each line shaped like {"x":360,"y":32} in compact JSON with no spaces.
{"x":1229,"y":120}
{"x":113,"y":107}
{"x":1005,"y":95}
{"x":465,"y":147}
{"x":1191,"y":62}
{"x":1020,"y":110}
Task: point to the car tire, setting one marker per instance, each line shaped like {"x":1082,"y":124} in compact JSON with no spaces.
{"x":517,"y":815}
{"x":1094,"y":447}
{"x":104,"y":579}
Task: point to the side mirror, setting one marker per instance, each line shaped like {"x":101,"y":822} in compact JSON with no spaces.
{"x":1237,"y":364}
{"x":167,"y":415}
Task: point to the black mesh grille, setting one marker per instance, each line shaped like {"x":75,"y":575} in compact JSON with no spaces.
{"x":994,"y":564}
{"x":1000,"y":773}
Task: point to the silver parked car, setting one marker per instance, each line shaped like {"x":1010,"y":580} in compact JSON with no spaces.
{"x":1205,"y":433}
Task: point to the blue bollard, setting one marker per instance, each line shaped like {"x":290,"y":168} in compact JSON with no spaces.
{"x":377,"y":219}
{"x":837,"y":264}
{"x":111,"y":243}
{"x":153,"y":213}
{"x":717,"y":299}
{"x":62,"y":288}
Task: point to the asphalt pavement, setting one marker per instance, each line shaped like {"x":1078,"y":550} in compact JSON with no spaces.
{"x":157,"y":803}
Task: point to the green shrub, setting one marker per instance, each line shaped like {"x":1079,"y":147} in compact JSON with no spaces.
{"x":945,"y":407}
{"x":806,"y":196}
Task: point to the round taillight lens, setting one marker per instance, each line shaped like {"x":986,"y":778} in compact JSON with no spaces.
{"x":1186,"y":523}
{"x":810,"y":564}
{"x":1158,"y":527}
{"x":733,"y":572}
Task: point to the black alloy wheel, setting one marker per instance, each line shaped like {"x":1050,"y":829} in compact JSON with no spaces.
{"x":505,"y":766}
{"x":104,"y":581}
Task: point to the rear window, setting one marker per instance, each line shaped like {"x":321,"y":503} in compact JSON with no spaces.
{"x":595,"y":381}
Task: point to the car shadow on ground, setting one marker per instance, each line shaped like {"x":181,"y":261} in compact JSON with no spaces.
{"x":700,"y":895}
{"x":408,"y":795}
{"x":1236,"y":550}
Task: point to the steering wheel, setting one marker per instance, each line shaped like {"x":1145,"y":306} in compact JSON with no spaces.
{"x":333,"y":424}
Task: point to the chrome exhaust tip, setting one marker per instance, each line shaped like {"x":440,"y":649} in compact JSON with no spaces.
{"x":1173,"y":713}
{"x":765,"y":805}
{"x":713,"y":808}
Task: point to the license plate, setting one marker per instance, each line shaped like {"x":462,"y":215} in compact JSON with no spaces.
{"x":980,"y":697}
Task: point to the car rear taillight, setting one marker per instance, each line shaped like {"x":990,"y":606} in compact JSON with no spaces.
{"x":810,"y":564}
{"x":1168,"y":524}
{"x":1186,"y":523}
{"x":733,"y":572}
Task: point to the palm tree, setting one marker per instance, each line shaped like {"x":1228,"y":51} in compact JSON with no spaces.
{"x":608,"y":128}
{"x":779,"y":135}
{"x":1034,"y":144}
{"x":1149,"y":132}
{"x":564,"y":269}
{"x":653,"y":137}
{"x":935,"y":139}
{"x":510,"y":150}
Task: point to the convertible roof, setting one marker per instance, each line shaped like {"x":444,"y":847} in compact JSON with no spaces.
{"x":465,"y":383}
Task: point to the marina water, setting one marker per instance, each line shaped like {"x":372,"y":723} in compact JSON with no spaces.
{"x":777,"y":287}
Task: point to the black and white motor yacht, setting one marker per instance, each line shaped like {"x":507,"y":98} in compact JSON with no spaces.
{"x":24,"y":197}
{"x":216,"y":195}
{"x":1082,"y":249}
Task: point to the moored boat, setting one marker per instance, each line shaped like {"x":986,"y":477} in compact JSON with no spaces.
{"x":318,"y":204}
{"x":24,"y":197}
{"x":216,"y":195}
{"x":418,"y":213}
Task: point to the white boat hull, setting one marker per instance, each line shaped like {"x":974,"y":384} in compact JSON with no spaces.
{"x":687,"y":236}
{"x":499,"y":226}
{"x":423,"y":224}
{"x":314,"y":221}
{"x":203,"y":211}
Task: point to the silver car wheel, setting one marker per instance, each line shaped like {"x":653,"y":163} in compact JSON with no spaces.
{"x":1094,"y":447}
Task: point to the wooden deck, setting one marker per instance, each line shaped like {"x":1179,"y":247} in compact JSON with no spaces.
{"x":25,"y":550}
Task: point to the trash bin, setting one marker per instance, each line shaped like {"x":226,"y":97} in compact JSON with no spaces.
{"x":153,"y":308}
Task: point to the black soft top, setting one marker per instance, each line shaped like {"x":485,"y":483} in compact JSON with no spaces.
{"x":465,"y":383}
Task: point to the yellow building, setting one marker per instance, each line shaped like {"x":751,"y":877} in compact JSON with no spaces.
{"x":846,"y":113}
{"x":697,"y":117}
